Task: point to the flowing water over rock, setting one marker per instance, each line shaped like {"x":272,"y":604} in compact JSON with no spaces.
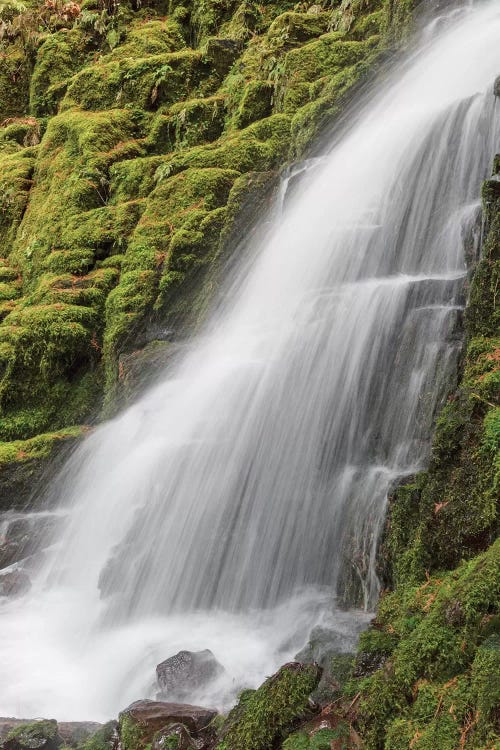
{"x":241,"y":498}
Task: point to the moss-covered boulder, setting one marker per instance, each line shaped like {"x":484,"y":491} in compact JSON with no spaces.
{"x":266,"y":715}
{"x":37,"y":735}
{"x":147,"y":722}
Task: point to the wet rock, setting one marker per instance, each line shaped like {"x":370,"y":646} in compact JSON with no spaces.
{"x":148,"y":717}
{"x":37,"y":735}
{"x":368,"y":662}
{"x":22,"y":534}
{"x":183,"y":673}
{"x":263,"y":716}
{"x":176,"y":736}
{"x":14,"y":583}
{"x":496,"y":87}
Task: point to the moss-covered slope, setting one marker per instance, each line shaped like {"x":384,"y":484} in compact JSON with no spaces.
{"x":437,"y":633}
{"x":131,"y":136}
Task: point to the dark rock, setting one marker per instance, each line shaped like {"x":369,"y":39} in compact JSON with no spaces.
{"x":140,"y":368}
{"x":22,"y":534}
{"x":183,"y":673}
{"x":14,"y":583}
{"x":222,"y":53}
{"x":454,"y":614}
{"x":368,"y":662}
{"x":327,"y":647}
{"x":175,"y":736}
{"x":37,"y":735}
{"x":496,"y":87}
{"x":155,"y":715}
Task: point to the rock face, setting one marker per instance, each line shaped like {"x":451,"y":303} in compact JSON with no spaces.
{"x":87,"y":275}
{"x":183,"y":673}
{"x":496,"y":87}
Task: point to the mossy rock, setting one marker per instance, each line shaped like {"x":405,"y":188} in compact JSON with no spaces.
{"x":14,"y":82}
{"x":266,"y":715}
{"x":156,"y":129}
{"x":436,"y":630}
{"x":36,"y":735}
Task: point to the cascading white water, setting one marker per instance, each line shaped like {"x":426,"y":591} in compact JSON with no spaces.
{"x":236,"y":500}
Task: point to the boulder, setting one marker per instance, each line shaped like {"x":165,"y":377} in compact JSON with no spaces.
{"x":263,"y":717}
{"x":179,"y":675}
{"x":139,"y":723}
{"x":37,"y":735}
{"x":22,"y":534}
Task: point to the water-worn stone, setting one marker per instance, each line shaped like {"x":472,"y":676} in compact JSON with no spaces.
{"x":179,"y":675}
{"x":155,"y":715}
{"x":23,"y":534}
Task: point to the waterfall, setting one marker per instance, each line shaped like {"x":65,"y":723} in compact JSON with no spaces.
{"x":239,"y":502}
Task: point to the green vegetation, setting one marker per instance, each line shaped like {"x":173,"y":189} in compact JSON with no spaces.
{"x":137,"y":140}
{"x":133,"y":139}
{"x":263,"y":716}
{"x":436,"y":639}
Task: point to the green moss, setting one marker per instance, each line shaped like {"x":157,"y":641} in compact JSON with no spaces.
{"x":14,"y":81}
{"x":158,"y":133}
{"x":187,"y":124}
{"x":16,"y":171}
{"x":321,"y":740}
{"x":427,"y":680}
{"x":131,"y":734}
{"x":57,"y":58}
{"x":145,"y":83}
{"x":263,"y":716}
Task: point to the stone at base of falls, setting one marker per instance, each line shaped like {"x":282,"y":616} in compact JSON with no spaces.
{"x":142,"y":720}
{"x":14,"y":583}
{"x":334,"y":651}
{"x":265,"y":716}
{"x":179,"y":675}
{"x":176,"y":736}
{"x":37,"y":735}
